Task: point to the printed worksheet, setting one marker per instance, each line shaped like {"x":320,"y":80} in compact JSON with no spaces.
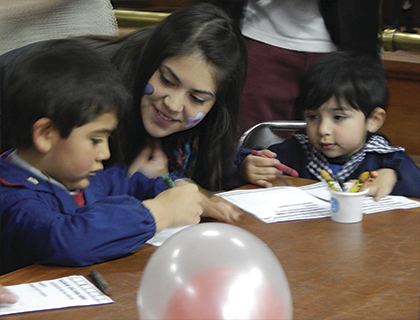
{"x":71,"y":291}
{"x":278,"y":204}
{"x":321,"y":191}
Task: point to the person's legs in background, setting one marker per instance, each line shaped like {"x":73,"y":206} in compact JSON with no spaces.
{"x":272,"y":83}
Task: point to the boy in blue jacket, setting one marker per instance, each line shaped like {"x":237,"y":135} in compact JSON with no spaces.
{"x":343,"y":98}
{"x":57,"y":205}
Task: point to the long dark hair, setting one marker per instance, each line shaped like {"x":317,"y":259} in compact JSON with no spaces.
{"x":200,"y":28}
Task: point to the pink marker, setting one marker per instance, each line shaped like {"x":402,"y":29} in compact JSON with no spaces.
{"x":279,"y":166}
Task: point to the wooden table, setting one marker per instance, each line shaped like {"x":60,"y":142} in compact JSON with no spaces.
{"x":367,"y":270}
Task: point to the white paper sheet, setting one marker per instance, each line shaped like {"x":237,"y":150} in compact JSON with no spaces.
{"x":163,"y":235}
{"x":71,"y":291}
{"x":278,"y":204}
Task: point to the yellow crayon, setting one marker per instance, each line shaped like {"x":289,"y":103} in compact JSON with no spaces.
{"x":358,"y":184}
{"x":372,"y":176}
{"x":331,"y":182}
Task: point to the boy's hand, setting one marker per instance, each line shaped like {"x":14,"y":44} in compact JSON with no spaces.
{"x":151,"y":161}
{"x":383,"y":184}
{"x":260,"y":171}
{"x":177,"y":206}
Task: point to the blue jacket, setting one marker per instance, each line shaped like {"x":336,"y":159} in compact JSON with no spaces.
{"x":291,"y":153}
{"x":41,"y":223}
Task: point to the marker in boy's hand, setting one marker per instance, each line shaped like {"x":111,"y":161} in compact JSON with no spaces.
{"x":168,"y":180}
{"x":279,"y":166}
{"x":262,"y":168}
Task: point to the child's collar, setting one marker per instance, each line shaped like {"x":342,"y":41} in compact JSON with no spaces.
{"x":338,"y":160}
{"x":20,"y":162}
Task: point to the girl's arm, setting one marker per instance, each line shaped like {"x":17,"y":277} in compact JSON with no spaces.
{"x":151,"y":162}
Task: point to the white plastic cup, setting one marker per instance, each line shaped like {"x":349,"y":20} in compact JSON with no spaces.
{"x":346,"y":207}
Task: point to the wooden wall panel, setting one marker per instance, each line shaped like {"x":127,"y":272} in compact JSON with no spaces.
{"x":402,"y":125}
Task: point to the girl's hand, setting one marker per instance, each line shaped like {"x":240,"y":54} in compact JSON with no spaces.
{"x":7,"y":297}
{"x":260,"y":171}
{"x":151,"y":161}
{"x":221,"y":210}
{"x":383,"y":184}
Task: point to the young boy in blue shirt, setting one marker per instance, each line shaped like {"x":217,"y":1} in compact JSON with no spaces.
{"x":57,"y":205}
{"x":343,"y":97}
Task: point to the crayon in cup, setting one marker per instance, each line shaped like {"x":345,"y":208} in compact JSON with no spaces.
{"x":334,"y":185}
{"x":372,"y":176}
{"x":363,"y":177}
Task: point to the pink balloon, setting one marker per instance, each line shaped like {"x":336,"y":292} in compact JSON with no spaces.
{"x":225,"y":293}
{"x":214,"y":271}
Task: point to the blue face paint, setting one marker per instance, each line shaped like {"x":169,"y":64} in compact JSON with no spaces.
{"x":193,"y":121}
{"x":149,"y":89}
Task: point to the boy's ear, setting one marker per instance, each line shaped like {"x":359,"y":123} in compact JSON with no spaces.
{"x":376,"y":119}
{"x":42,"y":134}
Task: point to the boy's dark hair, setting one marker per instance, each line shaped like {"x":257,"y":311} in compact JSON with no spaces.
{"x":63,"y":80}
{"x":357,"y":78}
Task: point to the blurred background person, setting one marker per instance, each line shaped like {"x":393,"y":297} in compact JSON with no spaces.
{"x":26,"y":21}
{"x":284,"y":37}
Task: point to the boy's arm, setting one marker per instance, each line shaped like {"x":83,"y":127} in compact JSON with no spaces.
{"x":35,"y":230}
{"x":170,"y":207}
{"x":116,"y":182}
{"x":178,"y":206}
{"x":44,"y":228}
{"x":408,"y":176}
{"x":383,"y":184}
{"x":398,"y":175}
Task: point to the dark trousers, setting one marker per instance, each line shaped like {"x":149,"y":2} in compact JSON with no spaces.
{"x":272,"y":83}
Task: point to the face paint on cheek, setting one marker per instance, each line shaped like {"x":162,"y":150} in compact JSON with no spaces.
{"x":148,"y":89}
{"x":193,"y":121}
